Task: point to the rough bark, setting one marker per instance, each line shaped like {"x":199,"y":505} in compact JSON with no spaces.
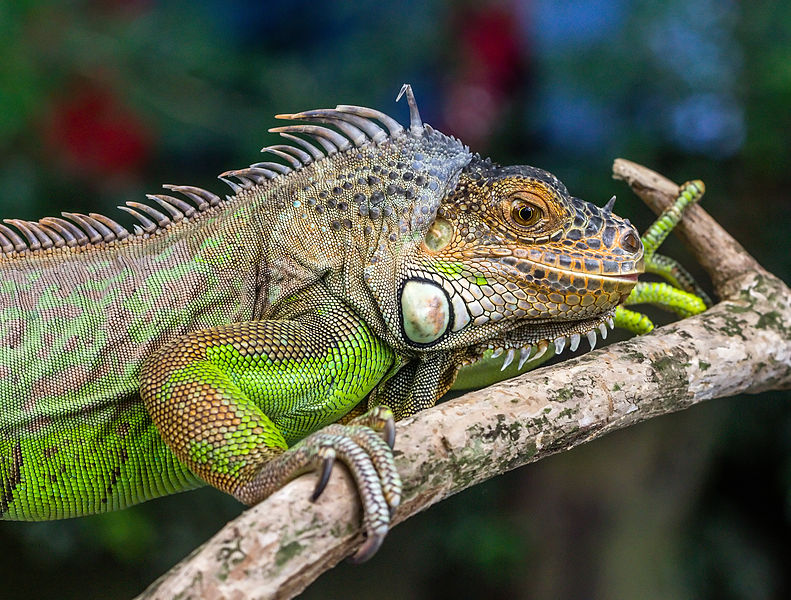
{"x":743,"y":344}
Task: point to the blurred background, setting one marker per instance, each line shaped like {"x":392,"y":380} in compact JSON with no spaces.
{"x":102,"y":101}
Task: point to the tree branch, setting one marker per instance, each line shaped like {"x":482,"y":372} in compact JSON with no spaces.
{"x":743,"y":344}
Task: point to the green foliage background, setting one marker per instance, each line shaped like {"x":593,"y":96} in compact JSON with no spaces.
{"x":102,"y":101}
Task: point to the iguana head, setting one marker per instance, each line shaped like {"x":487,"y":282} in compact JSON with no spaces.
{"x":513,"y":262}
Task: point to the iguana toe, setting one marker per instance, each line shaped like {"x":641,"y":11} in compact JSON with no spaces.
{"x":380,"y":418}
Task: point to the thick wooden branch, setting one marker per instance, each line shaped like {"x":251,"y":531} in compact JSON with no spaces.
{"x":743,"y":344}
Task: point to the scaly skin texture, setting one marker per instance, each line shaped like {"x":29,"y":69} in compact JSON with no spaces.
{"x":222,"y":340}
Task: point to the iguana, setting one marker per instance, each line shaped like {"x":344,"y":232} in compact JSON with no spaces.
{"x":241,"y":341}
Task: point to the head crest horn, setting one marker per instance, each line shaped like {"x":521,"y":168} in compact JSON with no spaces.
{"x":415,"y":123}
{"x":610,"y":203}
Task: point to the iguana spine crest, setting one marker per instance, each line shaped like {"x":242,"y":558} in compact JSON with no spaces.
{"x":357,"y":126}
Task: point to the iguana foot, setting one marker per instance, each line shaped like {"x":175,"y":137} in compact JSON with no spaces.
{"x":365,"y":447}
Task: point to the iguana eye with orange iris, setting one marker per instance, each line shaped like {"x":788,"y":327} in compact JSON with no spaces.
{"x":525,"y":213}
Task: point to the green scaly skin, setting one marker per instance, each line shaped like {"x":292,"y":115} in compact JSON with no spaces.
{"x":238,"y":342}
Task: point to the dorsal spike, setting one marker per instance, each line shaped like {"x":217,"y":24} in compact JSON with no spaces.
{"x":608,"y":207}
{"x":5,"y":242}
{"x":352,"y":125}
{"x":175,"y":213}
{"x":271,"y":166}
{"x":296,"y":153}
{"x":312,"y":150}
{"x":161,"y":219}
{"x":337,"y":119}
{"x":42,"y":239}
{"x":184,"y":207}
{"x":118,"y":230}
{"x":41,"y":235}
{"x":198,"y":195}
{"x":73,"y":235}
{"x":232,"y":184}
{"x":318,"y":132}
{"x":32,"y":242}
{"x":250,"y":177}
{"x":104,"y":231}
{"x":19,"y":243}
{"x":200,"y":202}
{"x":415,"y":122}
{"x":93,"y":235}
{"x":248,"y":182}
{"x":57,"y":240}
{"x":148,"y":225}
{"x":166,"y":203}
{"x":289,"y":156}
{"x":394,"y":127}
{"x":371,"y":129}
{"x":354,"y":133}
{"x":257,"y":173}
{"x":16,"y":240}
{"x":329,"y":147}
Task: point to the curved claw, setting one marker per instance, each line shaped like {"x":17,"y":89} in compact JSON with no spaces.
{"x":379,"y":418}
{"x":390,"y":433}
{"x":326,"y":471}
{"x":368,"y":548}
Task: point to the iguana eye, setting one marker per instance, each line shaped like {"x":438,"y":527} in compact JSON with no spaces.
{"x":525,"y":213}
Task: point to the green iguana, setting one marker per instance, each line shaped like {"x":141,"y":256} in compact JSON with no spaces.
{"x":222,"y":340}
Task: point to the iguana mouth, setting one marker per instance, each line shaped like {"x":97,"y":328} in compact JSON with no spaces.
{"x":632,"y":276}
{"x":626,"y":277}
{"x":530,"y":345}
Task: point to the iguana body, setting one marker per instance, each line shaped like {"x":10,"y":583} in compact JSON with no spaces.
{"x":370,"y":264}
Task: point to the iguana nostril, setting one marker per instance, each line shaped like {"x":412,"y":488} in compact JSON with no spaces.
{"x":630,"y":242}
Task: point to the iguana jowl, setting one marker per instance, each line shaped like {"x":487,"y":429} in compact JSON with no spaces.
{"x":223,"y":339}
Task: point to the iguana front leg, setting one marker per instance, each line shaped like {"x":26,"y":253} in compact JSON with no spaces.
{"x":243,"y":406}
